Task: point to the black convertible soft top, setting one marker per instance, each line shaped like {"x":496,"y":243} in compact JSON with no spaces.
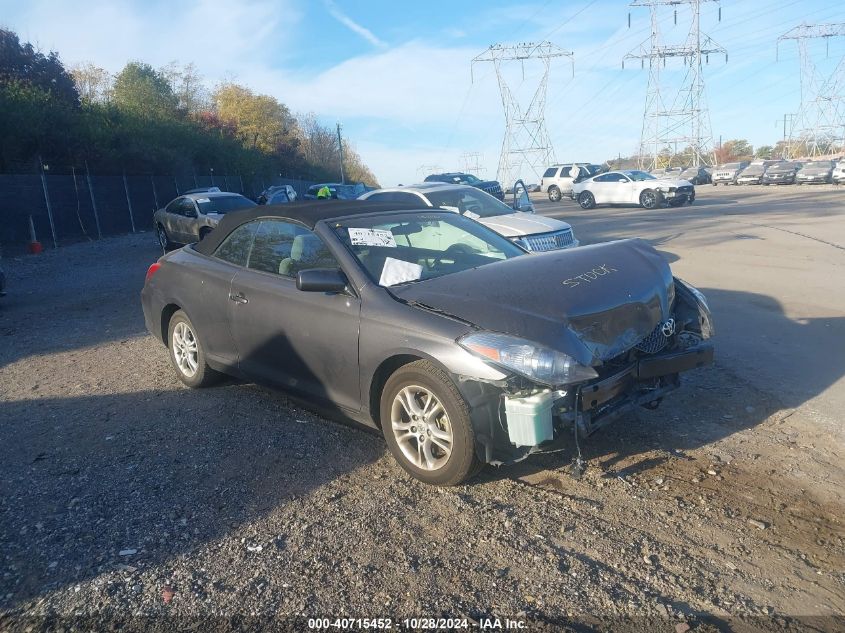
{"x":307,"y":213}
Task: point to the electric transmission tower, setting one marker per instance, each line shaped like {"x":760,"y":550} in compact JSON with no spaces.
{"x":819,"y":126}
{"x":472,"y":163}
{"x":675,"y":115}
{"x":526,"y":145}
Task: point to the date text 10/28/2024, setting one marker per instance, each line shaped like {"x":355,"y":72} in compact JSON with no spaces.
{"x":415,"y":624}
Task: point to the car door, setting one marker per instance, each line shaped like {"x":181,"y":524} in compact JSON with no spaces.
{"x":303,"y":341}
{"x":170,"y":219}
{"x":602,"y":188}
{"x":182,"y":220}
{"x":623,"y":189}
{"x":213,"y":320}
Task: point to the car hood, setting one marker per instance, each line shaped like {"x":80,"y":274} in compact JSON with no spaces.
{"x":519,"y":224}
{"x":668,"y":182}
{"x":594,"y":302}
{"x":484,"y":184}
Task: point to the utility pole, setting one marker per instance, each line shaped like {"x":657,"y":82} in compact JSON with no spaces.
{"x":526,"y":145}
{"x":340,"y":149}
{"x":819,"y":126}
{"x":787,"y":121}
{"x":677,"y":114}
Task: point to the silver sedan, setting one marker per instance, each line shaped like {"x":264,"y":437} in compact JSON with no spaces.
{"x":188,"y":218}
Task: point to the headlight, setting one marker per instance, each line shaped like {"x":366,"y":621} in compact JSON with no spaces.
{"x":707,"y":328}
{"x":538,"y":363}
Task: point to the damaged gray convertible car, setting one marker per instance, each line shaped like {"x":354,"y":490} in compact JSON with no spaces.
{"x":460,"y":346}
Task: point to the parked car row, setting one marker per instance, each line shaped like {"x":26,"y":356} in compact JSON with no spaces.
{"x":779,"y":172}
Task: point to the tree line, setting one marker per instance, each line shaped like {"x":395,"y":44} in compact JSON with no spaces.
{"x":155,"y":120}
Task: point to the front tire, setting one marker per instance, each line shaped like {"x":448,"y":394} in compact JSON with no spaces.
{"x":426,"y":424}
{"x":554,"y":194}
{"x":650,"y":199}
{"x":187,"y":354}
{"x":587,"y":200}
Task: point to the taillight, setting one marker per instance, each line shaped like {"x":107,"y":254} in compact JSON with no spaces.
{"x":152,"y":271}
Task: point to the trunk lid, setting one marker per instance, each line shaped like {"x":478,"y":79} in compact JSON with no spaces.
{"x":592,"y":302}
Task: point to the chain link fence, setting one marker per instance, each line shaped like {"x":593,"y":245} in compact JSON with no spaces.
{"x":57,"y":209}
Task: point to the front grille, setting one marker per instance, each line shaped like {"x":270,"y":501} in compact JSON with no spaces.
{"x":654,"y":342}
{"x":549,"y":241}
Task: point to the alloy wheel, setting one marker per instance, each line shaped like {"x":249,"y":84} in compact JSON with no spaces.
{"x":421,"y":427}
{"x":648,"y":199}
{"x":184,"y":346}
{"x":162,"y":237}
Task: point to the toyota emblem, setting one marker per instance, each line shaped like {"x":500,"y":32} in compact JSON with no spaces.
{"x":668,"y":328}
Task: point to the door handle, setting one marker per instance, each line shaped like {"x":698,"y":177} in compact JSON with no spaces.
{"x":238,"y":298}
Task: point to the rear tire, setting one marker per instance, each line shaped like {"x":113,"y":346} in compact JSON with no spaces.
{"x":187,"y":354}
{"x":650,"y":199}
{"x":587,"y":200}
{"x":421,"y":412}
{"x":203,"y":232}
{"x":554,"y":194}
{"x":164,"y":239}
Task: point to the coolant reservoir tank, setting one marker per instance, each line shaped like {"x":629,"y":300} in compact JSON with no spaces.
{"x":529,"y":418}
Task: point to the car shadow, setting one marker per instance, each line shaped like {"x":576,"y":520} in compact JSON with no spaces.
{"x":94,"y":483}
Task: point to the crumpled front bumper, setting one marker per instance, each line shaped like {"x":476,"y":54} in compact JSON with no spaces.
{"x":595,"y":395}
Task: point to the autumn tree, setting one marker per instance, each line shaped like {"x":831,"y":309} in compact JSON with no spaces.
{"x":260,"y":121}
{"x":187,"y":84}
{"x":733,"y":150}
{"x":94,"y":84}
{"x":142,"y":90}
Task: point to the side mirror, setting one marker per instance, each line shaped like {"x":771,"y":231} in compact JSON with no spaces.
{"x":321,"y":280}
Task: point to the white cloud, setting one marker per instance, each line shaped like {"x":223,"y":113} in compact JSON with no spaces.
{"x":217,"y":35}
{"x":352,"y":25}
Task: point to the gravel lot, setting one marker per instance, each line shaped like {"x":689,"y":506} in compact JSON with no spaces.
{"x":128,"y":497}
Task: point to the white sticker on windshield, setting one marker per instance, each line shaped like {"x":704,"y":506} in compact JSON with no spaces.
{"x":448,"y":208}
{"x":396,"y":271}
{"x":471,"y":215}
{"x":372,"y":237}
{"x":203,"y":200}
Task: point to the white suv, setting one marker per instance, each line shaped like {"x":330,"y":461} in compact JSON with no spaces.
{"x":558,"y":179}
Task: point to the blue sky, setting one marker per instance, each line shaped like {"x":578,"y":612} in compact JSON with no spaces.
{"x":397,"y":74}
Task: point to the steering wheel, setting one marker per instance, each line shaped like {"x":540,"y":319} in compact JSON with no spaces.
{"x":459,"y":248}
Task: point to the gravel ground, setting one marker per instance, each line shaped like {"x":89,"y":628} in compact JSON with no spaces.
{"x":129,"y":498}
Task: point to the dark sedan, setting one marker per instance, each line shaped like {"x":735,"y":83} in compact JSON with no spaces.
{"x":428,"y":326}
{"x":781,"y":174}
{"x":696,"y":175}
